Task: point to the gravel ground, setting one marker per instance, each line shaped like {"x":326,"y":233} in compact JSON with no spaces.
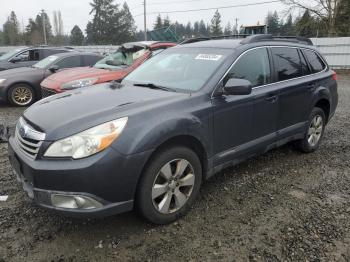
{"x":281,"y":206}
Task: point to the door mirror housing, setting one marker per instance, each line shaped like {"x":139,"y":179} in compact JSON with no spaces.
{"x":236,"y":86}
{"x":54,"y":68}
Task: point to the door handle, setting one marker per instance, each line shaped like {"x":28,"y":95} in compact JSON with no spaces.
{"x":271,"y":98}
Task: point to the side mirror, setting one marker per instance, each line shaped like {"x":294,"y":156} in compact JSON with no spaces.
{"x":16,"y":59}
{"x":235,"y":86}
{"x":54,"y":68}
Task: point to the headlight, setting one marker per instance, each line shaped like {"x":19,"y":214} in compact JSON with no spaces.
{"x":89,"y":142}
{"x":79,"y":83}
{"x":2,"y":81}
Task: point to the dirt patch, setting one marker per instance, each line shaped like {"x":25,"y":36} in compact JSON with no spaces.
{"x":281,"y":206}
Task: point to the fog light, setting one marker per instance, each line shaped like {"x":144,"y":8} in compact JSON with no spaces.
{"x":74,"y":202}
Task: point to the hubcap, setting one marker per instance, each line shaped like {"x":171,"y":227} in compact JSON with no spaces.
{"x":22,"y":95}
{"x":173,"y":186}
{"x":315,"y":130}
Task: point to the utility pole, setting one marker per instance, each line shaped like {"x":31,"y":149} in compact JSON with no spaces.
{"x":145,"y":20}
{"x":44,"y":27}
{"x":236,"y":27}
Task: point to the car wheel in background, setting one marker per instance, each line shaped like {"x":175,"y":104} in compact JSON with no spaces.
{"x":314,"y":132}
{"x":169,"y":185}
{"x":21,"y":95}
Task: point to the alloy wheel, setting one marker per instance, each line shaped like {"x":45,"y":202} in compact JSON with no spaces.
{"x":22,"y":95}
{"x":315,"y":130}
{"x":173,"y":186}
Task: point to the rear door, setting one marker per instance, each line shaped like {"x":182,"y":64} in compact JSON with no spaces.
{"x":295,"y":89}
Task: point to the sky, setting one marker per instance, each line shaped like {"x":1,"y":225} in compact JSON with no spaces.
{"x":76,"y":12}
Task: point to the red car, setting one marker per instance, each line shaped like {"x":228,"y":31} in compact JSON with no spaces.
{"x":113,"y":67}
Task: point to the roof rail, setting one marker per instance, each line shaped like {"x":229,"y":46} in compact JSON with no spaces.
{"x":269,"y":37}
{"x":206,"y":38}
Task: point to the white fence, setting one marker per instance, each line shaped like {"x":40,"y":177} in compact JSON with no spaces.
{"x":336,"y":50}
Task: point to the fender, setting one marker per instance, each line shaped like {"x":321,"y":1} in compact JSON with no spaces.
{"x":155,"y":133}
{"x":320,"y":92}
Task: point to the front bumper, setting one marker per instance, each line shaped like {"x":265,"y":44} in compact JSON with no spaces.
{"x":109,"y":177}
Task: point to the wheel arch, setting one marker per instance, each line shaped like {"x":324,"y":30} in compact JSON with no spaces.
{"x":188,"y":141}
{"x":325,"y":105}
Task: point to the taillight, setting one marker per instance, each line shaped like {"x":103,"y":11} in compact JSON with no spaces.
{"x":335,"y":76}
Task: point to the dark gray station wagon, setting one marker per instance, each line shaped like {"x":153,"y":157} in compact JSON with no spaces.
{"x":182,"y":116}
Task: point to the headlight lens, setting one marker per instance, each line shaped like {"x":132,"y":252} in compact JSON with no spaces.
{"x":89,"y":142}
{"x":79,"y":83}
{"x":2,"y":81}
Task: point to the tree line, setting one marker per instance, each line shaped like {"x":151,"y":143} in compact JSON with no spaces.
{"x":114,"y":24}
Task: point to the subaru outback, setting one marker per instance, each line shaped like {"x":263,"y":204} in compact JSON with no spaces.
{"x":149,"y":142}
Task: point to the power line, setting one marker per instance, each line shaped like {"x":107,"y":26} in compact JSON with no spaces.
{"x":166,"y":3}
{"x":212,"y":8}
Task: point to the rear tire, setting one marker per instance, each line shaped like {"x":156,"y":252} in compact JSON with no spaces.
{"x":314,"y":133}
{"x":169,"y":185}
{"x":21,"y":95}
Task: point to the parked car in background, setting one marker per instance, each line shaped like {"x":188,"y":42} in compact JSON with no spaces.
{"x":21,"y":86}
{"x":27,"y":56}
{"x":113,"y":67}
{"x":149,"y":142}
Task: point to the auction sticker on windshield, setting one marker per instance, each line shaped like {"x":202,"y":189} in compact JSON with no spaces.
{"x":210,"y":57}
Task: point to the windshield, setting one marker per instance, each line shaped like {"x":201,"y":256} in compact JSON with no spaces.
{"x":46,"y":62}
{"x":10,"y":54}
{"x":120,"y":59}
{"x":183,"y":69}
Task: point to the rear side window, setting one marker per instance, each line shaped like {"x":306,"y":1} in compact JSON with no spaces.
{"x":69,"y":62}
{"x":287,"y":63}
{"x":316,"y":63}
{"x":253,"y":66}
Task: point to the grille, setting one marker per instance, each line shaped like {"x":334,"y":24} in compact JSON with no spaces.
{"x":46,"y":92}
{"x":28,"y":139}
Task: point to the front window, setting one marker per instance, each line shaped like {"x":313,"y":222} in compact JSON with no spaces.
{"x":9,"y":54}
{"x":121,"y":58}
{"x":46,"y":62}
{"x":182,"y":69}
{"x":253,"y":66}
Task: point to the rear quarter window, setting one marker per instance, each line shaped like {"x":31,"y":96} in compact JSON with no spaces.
{"x":315,"y":61}
{"x":287,"y":63}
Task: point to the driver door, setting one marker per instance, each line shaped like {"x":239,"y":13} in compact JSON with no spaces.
{"x":244,"y":122}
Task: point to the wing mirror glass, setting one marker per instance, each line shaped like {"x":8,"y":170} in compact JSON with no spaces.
{"x":54,"y":68}
{"x":235,"y":86}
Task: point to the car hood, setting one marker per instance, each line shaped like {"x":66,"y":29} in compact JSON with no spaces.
{"x":71,"y":112}
{"x":20,"y":72}
{"x":66,"y":76}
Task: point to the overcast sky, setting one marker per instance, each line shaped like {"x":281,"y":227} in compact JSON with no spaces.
{"x":77,"y":11}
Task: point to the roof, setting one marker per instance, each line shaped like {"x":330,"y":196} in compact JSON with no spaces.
{"x":75,"y":54}
{"x":231,"y":43}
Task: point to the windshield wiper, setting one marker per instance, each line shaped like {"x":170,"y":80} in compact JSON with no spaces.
{"x":154,"y":86}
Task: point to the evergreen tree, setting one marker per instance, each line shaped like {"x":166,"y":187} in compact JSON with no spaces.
{"x":287,"y":28}
{"x":166,"y":22}
{"x":159,"y":23}
{"x":48,"y":27}
{"x":228,"y":29}
{"x":11,"y":34}
{"x":305,"y":26}
{"x":215,"y":27}
{"x":203,"y":30}
{"x":76,"y":36}
{"x":273,"y":23}
{"x":343,"y":19}
{"x":125,"y":29}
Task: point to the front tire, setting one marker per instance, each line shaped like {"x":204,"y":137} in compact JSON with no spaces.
{"x":169,"y":185}
{"x":314,"y":132}
{"x":21,"y":95}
